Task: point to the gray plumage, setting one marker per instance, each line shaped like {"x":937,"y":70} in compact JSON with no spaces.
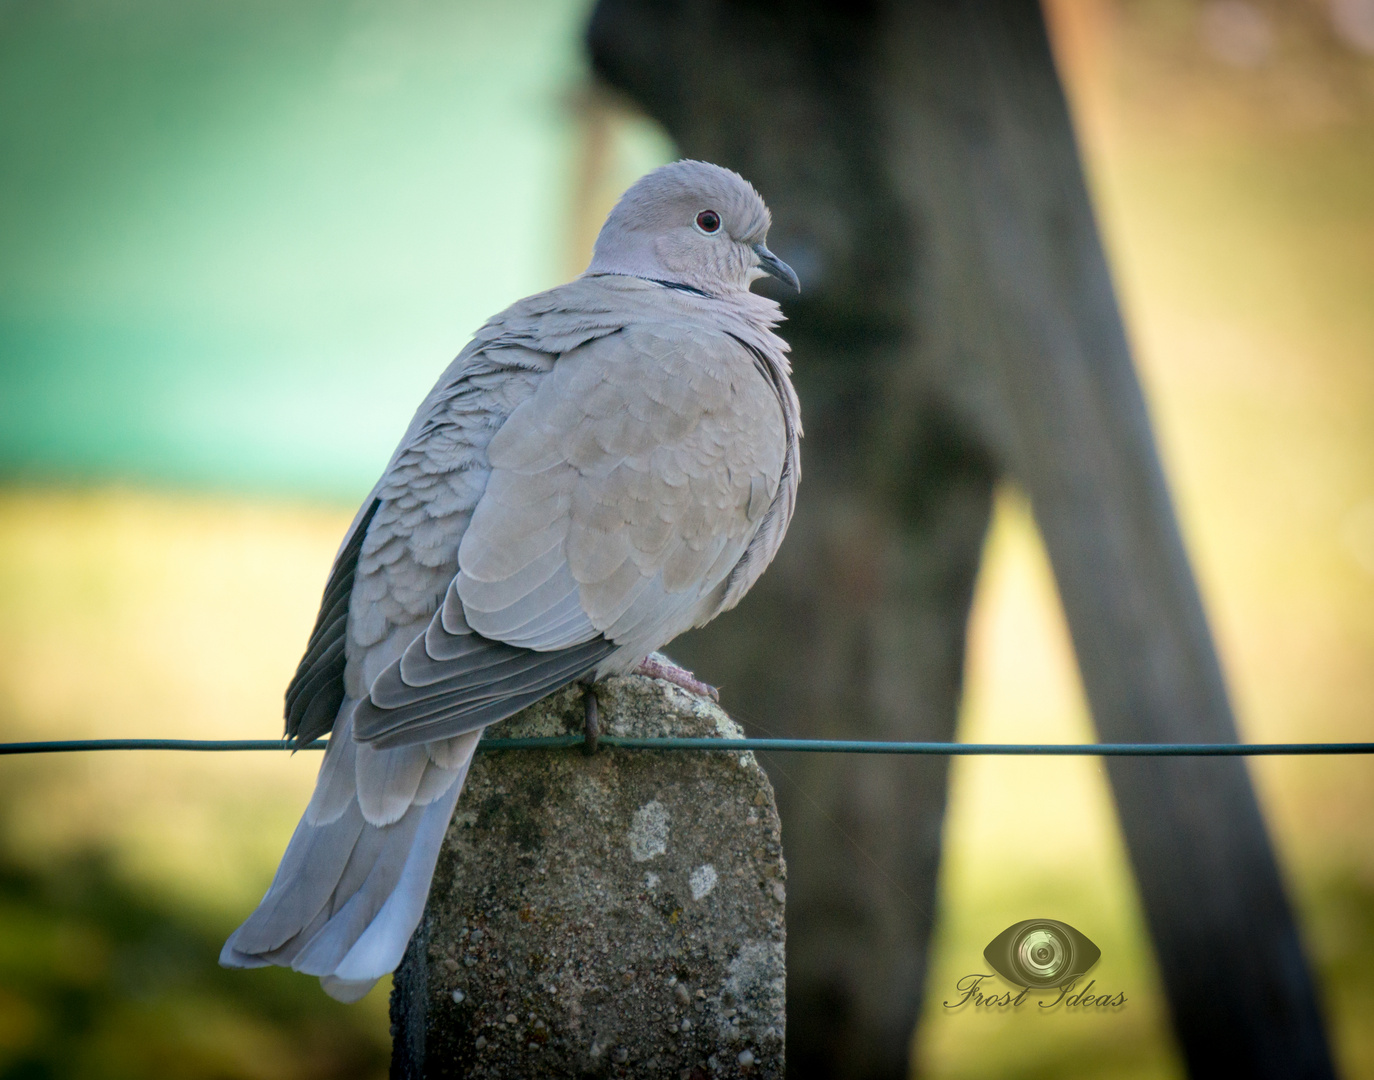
{"x":605,"y":465}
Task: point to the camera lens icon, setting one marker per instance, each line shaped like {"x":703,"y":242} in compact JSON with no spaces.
{"x":1041,"y":953}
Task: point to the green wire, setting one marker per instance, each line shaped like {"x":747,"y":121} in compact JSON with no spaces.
{"x":810,"y":746}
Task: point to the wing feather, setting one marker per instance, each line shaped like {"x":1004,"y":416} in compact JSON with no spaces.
{"x":652,"y":483}
{"x":622,"y":492}
{"x":316,"y":691}
{"x":483,"y":684}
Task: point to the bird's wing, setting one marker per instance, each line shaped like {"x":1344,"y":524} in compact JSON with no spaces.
{"x":622,"y":494}
{"x":400,"y":553}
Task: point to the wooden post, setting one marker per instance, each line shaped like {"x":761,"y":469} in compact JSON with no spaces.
{"x":612,"y":915}
{"x":958,"y":323}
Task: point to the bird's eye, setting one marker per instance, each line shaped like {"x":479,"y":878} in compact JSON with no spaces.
{"x":708,"y":221}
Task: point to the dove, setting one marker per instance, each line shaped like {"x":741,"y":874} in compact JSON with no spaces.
{"x":604,"y":466}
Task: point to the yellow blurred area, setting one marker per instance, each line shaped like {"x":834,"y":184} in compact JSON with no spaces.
{"x":127,"y":613}
{"x":136,"y":614}
{"x":1034,"y":838}
{"x":1238,"y":210}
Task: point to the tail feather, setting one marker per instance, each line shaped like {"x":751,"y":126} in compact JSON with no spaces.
{"x":336,"y":788}
{"x":314,"y":861}
{"x":350,"y":891}
{"x":363,"y":891}
{"x":381,"y":945}
{"x":386,"y":781}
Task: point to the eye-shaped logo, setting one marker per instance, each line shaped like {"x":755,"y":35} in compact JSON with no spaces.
{"x":1041,"y":953}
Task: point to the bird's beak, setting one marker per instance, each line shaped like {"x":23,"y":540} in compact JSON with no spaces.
{"x":770,"y":264}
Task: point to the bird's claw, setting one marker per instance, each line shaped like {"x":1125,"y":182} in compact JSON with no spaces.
{"x":658,"y":666}
{"x":592,"y":725}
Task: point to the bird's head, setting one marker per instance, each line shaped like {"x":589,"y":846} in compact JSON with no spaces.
{"x":694,"y":224}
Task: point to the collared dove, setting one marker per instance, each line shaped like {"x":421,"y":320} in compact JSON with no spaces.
{"x":605,"y":465}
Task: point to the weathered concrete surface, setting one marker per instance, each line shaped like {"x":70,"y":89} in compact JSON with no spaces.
{"x":619,"y":915}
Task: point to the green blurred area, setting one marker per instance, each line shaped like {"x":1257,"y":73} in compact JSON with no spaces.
{"x":100,"y":979}
{"x":241,"y":238}
{"x":239,"y":241}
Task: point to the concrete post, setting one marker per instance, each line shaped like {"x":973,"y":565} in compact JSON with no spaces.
{"x":619,"y":915}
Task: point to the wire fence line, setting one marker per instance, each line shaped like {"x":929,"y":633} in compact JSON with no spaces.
{"x":808,"y":746}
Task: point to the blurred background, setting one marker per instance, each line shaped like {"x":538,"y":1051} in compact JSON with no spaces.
{"x":240,"y":241}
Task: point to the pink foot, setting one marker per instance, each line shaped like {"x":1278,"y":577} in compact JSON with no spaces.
{"x":658,"y":666}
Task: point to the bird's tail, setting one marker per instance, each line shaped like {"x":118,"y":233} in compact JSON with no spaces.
{"x":352,"y":885}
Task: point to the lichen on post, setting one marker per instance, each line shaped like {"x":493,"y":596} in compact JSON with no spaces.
{"x":612,"y":915}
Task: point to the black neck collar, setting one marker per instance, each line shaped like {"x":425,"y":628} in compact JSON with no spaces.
{"x":677,"y":285}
